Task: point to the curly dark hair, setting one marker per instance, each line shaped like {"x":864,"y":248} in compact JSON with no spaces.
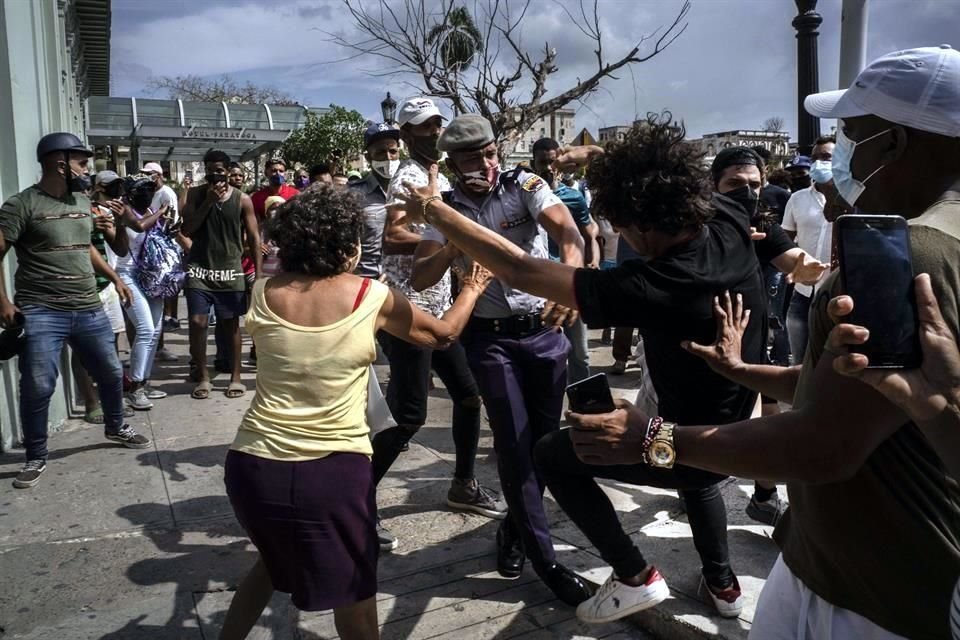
{"x":317,"y":231}
{"x":651,"y":179}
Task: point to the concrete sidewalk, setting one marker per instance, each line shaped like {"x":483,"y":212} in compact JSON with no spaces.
{"x":115,"y":543}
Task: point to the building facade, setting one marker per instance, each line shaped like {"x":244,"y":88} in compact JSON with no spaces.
{"x":559,"y":125}
{"x":778,"y":142}
{"x":53,"y":55}
{"x":607,"y":134}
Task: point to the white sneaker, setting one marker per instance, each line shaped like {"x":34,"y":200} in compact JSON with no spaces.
{"x":165,"y":355}
{"x":729,"y":602}
{"x":615,"y":599}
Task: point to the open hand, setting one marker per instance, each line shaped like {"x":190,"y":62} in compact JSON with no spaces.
{"x":924,"y":393}
{"x":413,"y":197}
{"x":808,"y":270}
{"x":558,"y":315}
{"x":609,"y":438}
{"x":732,"y":318}
{"x":478,"y":277}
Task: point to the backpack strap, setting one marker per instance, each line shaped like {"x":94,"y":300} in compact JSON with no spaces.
{"x":361,"y":294}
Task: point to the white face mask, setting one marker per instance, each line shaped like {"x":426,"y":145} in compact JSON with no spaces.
{"x":385,"y":168}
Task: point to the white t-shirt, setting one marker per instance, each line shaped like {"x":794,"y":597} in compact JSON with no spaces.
{"x":135,"y":240}
{"x":166,"y":196}
{"x":804,"y":216}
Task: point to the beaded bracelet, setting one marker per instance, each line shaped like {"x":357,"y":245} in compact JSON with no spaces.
{"x":653,"y":428}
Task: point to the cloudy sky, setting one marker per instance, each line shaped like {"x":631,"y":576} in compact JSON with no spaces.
{"x":732,"y":68}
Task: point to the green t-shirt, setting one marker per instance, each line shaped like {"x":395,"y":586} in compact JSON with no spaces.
{"x":52,"y":241}
{"x":885,"y":543}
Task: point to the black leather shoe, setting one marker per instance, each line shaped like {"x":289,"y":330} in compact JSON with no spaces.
{"x":566,"y":585}
{"x":510,"y":556}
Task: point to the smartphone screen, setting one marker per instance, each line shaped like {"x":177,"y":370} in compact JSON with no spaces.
{"x":591,"y":395}
{"x":877,"y":271}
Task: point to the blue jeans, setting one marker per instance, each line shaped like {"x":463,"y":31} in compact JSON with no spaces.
{"x":90,"y":336}
{"x":797,"y":326}
{"x":146,"y":314}
{"x":578,"y":362}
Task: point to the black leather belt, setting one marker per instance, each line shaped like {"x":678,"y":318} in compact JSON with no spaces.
{"x":514,"y":326}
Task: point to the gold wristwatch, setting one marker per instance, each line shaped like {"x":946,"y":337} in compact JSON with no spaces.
{"x":662,"y":452}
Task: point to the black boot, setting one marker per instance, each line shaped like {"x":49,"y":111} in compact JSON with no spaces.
{"x":566,"y":585}
{"x":510,"y":556}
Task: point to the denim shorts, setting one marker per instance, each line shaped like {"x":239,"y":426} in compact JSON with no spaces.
{"x":227,"y":304}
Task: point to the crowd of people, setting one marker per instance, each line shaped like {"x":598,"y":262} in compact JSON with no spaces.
{"x":489,"y":277}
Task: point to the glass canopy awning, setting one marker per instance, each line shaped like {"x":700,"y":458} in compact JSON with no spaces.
{"x":184,"y":131}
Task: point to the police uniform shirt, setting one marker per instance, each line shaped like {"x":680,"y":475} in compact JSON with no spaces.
{"x":374,"y":219}
{"x":512,"y":210}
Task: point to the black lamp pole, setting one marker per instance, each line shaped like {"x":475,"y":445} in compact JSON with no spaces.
{"x":808,"y":82}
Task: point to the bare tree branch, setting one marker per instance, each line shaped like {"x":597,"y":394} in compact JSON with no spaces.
{"x":407,"y":37}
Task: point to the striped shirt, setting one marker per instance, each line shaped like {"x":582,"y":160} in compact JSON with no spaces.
{"x":52,"y":239}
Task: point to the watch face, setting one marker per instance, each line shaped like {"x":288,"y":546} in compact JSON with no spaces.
{"x":662,"y":454}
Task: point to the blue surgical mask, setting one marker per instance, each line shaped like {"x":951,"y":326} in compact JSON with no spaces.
{"x":822,"y":171}
{"x":278,"y":179}
{"x":849,"y":187}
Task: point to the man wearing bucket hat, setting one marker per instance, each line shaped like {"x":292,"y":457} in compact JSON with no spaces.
{"x":518,"y":358}
{"x":49,"y":225}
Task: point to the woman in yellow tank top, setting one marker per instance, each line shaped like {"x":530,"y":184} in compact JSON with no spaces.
{"x":298,"y":473}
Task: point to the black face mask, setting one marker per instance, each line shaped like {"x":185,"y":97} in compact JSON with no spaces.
{"x":79,"y":183}
{"x":799,"y":182}
{"x":746,"y":198}
{"x":424,"y":147}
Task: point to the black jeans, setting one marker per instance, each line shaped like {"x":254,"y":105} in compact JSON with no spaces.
{"x":572,"y":484}
{"x":407,"y":395}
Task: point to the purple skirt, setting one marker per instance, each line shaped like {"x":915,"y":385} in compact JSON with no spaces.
{"x":314,"y":524}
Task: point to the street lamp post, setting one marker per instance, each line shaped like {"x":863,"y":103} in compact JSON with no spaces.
{"x":808,"y":82}
{"x":388,"y":108}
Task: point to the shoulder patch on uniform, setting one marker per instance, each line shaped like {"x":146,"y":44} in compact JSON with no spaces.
{"x":533,"y":184}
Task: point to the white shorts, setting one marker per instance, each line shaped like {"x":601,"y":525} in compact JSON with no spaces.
{"x":788,"y":610}
{"x":111,"y":306}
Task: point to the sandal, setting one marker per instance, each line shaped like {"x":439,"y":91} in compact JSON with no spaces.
{"x":202,"y":390}
{"x":96,"y":416}
{"x":235,"y":390}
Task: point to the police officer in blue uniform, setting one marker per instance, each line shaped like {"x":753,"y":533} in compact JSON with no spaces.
{"x":519,"y":360}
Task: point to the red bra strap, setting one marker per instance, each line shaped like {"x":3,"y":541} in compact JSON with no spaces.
{"x":361,"y":293}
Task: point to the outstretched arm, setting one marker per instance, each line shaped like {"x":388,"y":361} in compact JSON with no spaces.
{"x":508,"y":262}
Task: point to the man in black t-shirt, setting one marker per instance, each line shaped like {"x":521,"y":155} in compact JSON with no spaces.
{"x":653,"y":188}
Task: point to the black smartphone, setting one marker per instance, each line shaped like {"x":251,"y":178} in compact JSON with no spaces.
{"x":591,"y":395}
{"x":876,"y":270}
{"x":188,"y":175}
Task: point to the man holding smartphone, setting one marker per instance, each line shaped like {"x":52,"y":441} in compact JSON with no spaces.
{"x":870,"y":544}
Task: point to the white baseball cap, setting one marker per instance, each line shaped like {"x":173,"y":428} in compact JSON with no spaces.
{"x":917,"y":88}
{"x":153,"y":167}
{"x":417,"y":111}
